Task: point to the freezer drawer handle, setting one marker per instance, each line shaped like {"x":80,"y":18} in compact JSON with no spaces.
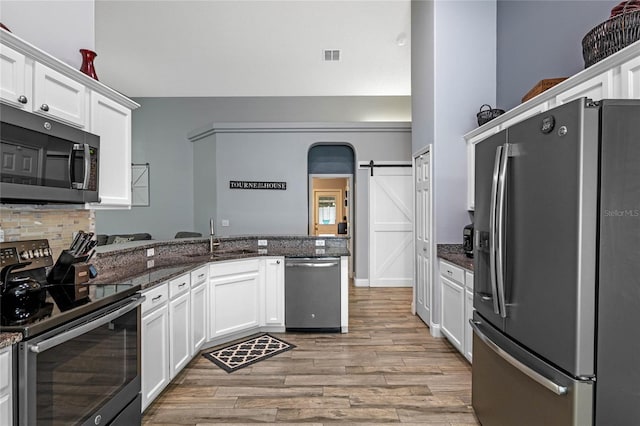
{"x":534,"y":375}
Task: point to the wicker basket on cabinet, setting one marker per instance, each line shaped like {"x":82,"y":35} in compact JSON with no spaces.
{"x":612,"y":35}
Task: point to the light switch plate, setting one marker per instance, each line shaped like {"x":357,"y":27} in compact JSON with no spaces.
{"x":262,"y":243}
{"x":151,"y":251}
{"x":225,"y":222}
{"x":319,"y":243}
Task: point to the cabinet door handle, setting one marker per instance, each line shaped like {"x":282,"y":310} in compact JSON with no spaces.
{"x":44,"y":107}
{"x":277,"y":262}
{"x":22,"y":99}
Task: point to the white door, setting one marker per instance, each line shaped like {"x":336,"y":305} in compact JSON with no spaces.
{"x":390,"y":227}
{"x":423,"y":241}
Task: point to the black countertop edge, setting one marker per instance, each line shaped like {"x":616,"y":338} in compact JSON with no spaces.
{"x":455,"y":254}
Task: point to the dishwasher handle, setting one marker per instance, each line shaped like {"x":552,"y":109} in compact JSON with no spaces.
{"x":311,"y":264}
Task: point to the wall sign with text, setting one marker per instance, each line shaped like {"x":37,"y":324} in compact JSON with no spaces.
{"x":243,"y":184}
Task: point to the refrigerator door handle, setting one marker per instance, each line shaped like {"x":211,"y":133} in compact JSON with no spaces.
{"x":500,"y":208}
{"x":532,"y":374}
{"x":492,"y":229}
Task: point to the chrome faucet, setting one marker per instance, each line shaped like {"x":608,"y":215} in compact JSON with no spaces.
{"x":212,"y":236}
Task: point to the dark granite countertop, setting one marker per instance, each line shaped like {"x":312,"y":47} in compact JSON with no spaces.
{"x":168,"y":267}
{"x":453,"y":253}
{"x":8,"y":339}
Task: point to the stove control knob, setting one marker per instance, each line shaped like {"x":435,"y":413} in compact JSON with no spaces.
{"x":42,"y":253}
{"x":36,"y":254}
{"x":24,"y":255}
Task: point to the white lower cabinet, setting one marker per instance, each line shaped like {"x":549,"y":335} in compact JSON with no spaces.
{"x":468,"y":316}
{"x":453,"y":312}
{"x":199,"y":309}
{"x":6,"y":401}
{"x":179,"y":324}
{"x":457,"y":306}
{"x":274,"y":291}
{"x":234,"y":297}
{"x":155,"y":343}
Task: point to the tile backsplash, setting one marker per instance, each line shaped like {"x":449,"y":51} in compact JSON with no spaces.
{"x":56,"y":225}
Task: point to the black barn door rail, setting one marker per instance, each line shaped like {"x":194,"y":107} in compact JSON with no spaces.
{"x":372,"y":165}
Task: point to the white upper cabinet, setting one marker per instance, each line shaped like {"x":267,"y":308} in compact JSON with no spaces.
{"x":630,"y":79}
{"x":12,"y":78}
{"x":39,"y":83}
{"x":112,"y":122}
{"x":58,"y":96}
{"x":596,"y":88}
{"x":617,"y":77}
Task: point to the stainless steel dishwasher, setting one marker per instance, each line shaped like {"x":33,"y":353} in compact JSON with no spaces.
{"x":312,"y":294}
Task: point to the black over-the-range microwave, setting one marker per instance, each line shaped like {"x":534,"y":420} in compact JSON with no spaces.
{"x":45,"y":161}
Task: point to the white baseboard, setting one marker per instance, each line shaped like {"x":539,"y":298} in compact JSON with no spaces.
{"x":435,"y":330}
{"x":390,"y":284}
{"x":361,"y":282}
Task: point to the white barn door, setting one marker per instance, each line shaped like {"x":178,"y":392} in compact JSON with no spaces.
{"x":390,"y":227}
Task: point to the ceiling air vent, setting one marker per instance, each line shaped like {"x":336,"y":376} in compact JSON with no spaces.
{"x":332,"y":55}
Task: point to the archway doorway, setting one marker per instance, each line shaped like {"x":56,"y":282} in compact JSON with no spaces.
{"x":331,"y":211}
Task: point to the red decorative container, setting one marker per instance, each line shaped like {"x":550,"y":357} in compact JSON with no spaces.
{"x":87,"y":63}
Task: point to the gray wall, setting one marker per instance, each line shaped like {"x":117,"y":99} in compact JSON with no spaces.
{"x":422,"y":74}
{"x":160,"y":128}
{"x":541,"y":39}
{"x":282,"y":157}
{"x":451,"y":78}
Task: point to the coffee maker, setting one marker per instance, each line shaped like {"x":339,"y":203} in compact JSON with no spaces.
{"x":467,"y":240}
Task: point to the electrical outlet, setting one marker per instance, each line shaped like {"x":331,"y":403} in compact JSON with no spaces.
{"x":262,"y":251}
{"x":320,"y":251}
{"x":150,"y":263}
{"x":319,"y":243}
{"x":151,"y":251}
{"x":225,"y":222}
{"x":262,"y":243}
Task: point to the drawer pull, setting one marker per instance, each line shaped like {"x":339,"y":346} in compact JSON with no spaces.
{"x":200,"y":276}
{"x":44,"y":107}
{"x":22,"y":99}
{"x":182,"y":285}
{"x":158,"y":297}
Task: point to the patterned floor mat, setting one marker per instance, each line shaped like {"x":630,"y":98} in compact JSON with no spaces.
{"x":239,"y":355}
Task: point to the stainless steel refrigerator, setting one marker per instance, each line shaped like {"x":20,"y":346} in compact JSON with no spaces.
{"x":557,"y":268}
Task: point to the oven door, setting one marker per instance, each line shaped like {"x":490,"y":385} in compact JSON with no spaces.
{"x":86,"y":372}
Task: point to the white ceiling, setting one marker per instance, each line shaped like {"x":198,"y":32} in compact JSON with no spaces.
{"x":151,"y":48}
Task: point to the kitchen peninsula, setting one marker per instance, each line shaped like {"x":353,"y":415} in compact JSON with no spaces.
{"x":196,"y":298}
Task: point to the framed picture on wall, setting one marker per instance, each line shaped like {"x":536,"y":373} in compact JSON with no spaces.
{"x":140,"y":185}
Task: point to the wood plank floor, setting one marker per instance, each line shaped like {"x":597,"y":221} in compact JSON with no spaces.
{"x":387,"y":369}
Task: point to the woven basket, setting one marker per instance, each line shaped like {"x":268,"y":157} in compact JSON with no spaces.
{"x":487,"y":114}
{"x":610,"y":36}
